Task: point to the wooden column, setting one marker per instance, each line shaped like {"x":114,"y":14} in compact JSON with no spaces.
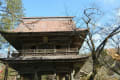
{"x":60,"y":76}
{"x":67,"y":77}
{"x":39,"y":77}
{"x":35,"y":76}
{"x":57,"y":77}
{"x":21,"y":78}
{"x":70,"y":76}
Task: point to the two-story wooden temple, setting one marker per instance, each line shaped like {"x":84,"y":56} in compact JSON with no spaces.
{"x":45,"y":46}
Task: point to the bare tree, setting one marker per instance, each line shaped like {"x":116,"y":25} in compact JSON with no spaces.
{"x":90,"y":20}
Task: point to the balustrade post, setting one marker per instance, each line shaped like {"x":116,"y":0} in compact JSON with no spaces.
{"x":66,"y":51}
{"x":54,"y":51}
{"x":45,"y":51}
{"x":69,"y":47}
{"x":34,"y":52}
{"x":78,"y":50}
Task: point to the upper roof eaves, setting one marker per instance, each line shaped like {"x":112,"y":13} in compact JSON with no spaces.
{"x":48,"y":17}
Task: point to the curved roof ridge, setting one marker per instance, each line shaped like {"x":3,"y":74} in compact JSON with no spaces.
{"x":48,"y":17}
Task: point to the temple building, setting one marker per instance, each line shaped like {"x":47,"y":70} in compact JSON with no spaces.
{"x":46,"y":46}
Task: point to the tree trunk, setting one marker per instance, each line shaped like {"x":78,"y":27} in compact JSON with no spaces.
{"x":6,"y":72}
{"x":94,"y":70}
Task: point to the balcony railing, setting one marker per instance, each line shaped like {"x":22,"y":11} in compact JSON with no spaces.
{"x":43,"y":52}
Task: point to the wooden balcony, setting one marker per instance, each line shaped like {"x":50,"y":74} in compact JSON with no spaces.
{"x":45,"y":52}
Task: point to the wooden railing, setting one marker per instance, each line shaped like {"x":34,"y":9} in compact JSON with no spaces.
{"x":43,"y":52}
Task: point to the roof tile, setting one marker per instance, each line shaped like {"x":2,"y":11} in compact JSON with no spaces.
{"x":46,"y":24}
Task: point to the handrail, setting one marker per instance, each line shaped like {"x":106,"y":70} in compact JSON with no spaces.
{"x":47,"y":51}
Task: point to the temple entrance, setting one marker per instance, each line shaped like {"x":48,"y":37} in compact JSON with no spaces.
{"x":49,"y":53}
{"x":54,"y":77}
{"x":47,"y":77}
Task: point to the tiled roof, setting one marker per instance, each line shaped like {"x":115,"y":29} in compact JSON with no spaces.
{"x":46,"y":24}
{"x":48,"y":17}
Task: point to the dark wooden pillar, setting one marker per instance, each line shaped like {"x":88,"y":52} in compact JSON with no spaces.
{"x":21,"y":78}
{"x":35,"y":76}
{"x":67,"y":77}
{"x":60,"y":76}
{"x":39,"y":77}
{"x":64,"y":76}
{"x":70,"y":76}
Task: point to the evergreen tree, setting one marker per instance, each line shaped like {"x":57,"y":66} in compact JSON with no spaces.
{"x":10,"y":14}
